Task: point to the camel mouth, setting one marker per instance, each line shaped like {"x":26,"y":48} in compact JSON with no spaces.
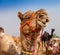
{"x":41,"y":24}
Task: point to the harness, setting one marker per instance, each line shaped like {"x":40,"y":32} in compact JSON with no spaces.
{"x":28,"y":22}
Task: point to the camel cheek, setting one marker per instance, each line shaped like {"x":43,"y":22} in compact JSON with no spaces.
{"x":33,"y":24}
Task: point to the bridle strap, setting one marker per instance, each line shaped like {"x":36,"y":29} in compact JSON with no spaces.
{"x":28,"y":22}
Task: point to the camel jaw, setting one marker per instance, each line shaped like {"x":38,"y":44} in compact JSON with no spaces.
{"x":41,"y":24}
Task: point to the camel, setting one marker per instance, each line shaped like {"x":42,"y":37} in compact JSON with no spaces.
{"x":7,"y":44}
{"x":32,"y":25}
{"x":46,"y":36}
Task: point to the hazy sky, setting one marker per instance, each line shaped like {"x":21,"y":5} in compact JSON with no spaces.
{"x":9,"y":9}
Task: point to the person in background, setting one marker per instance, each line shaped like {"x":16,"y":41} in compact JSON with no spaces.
{"x":55,"y":48}
{"x":49,"y":49}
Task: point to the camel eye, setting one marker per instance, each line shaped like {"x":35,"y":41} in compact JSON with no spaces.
{"x":28,"y":17}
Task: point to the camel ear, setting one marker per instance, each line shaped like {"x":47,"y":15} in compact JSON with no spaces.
{"x":20,"y":15}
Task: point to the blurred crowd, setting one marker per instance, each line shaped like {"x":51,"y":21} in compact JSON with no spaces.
{"x":52,"y":48}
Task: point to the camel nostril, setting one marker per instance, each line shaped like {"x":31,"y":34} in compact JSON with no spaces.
{"x":44,"y":22}
{"x":47,"y":20}
{"x":40,"y":16}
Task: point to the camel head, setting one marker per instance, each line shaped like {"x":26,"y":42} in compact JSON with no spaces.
{"x":33,"y":21}
{"x":43,"y":17}
{"x":52,"y":30}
